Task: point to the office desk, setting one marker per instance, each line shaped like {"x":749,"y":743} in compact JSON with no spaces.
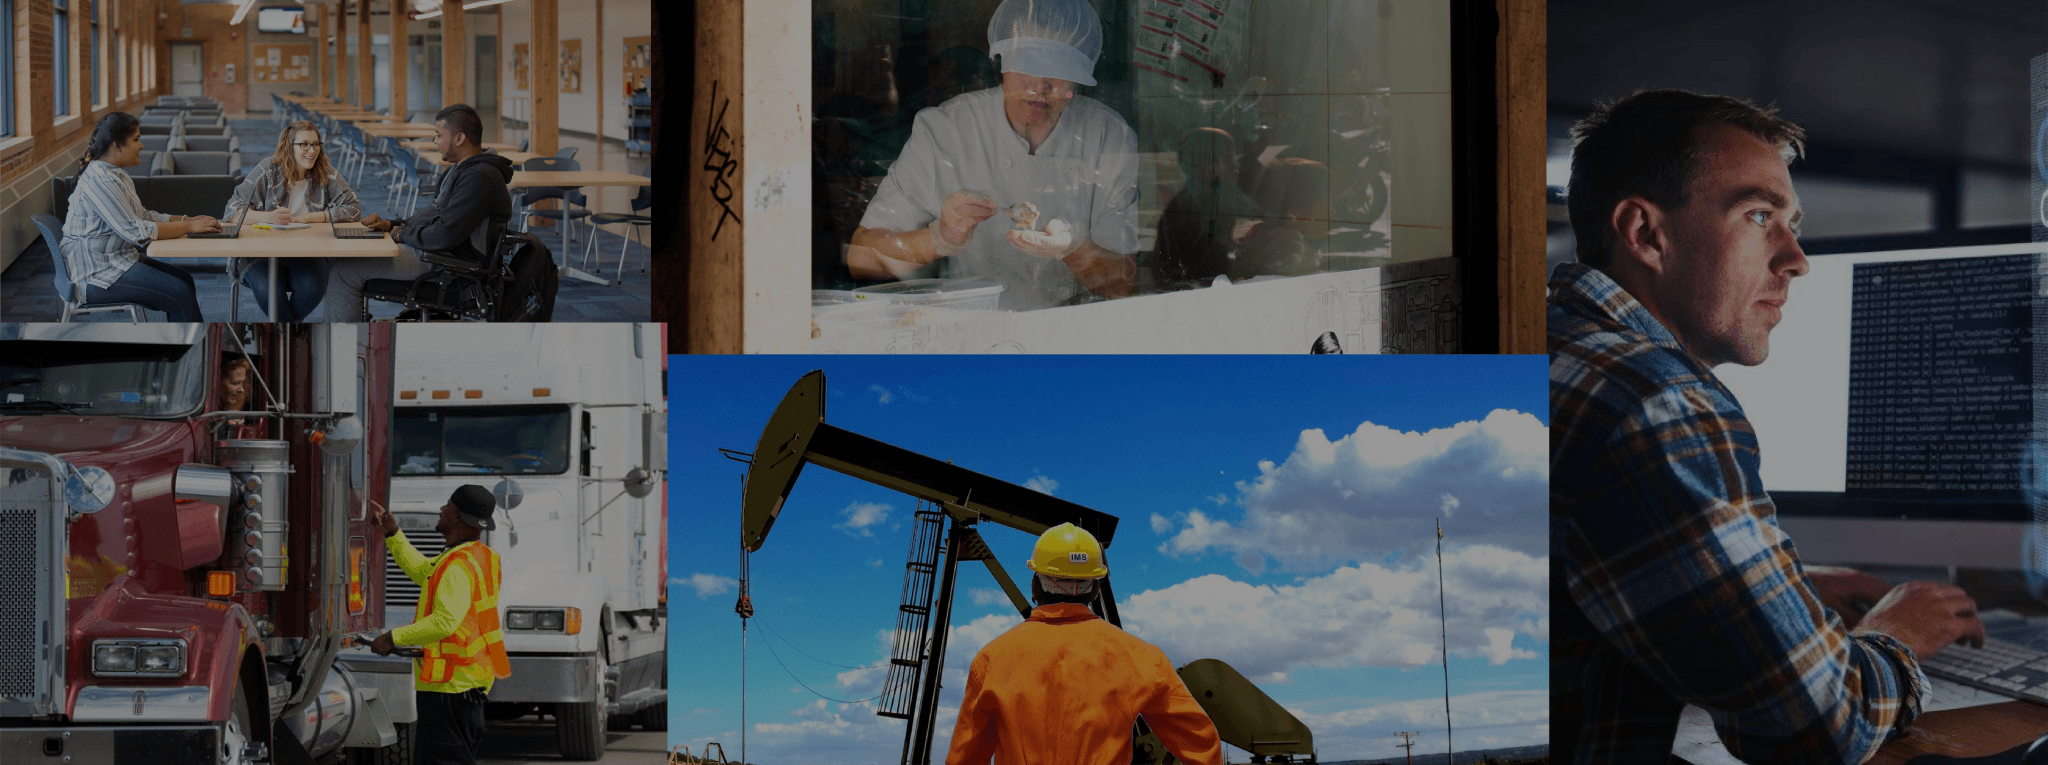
{"x":1971,"y":731}
{"x":315,"y":242}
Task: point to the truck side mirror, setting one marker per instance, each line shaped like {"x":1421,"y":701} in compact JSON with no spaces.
{"x":507,"y":494}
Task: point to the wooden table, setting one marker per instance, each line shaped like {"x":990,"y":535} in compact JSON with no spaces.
{"x":1971,"y":732}
{"x":315,"y":242}
{"x":574,"y":179}
{"x":517,"y":157}
{"x":429,"y":146}
{"x":398,"y":131}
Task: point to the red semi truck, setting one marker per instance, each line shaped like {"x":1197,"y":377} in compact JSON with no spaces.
{"x":178,"y":579}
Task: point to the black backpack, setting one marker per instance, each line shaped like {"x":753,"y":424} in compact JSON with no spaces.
{"x":530,"y":280}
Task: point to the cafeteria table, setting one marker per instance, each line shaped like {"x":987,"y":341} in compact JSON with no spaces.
{"x":577,"y":179}
{"x":316,"y":241}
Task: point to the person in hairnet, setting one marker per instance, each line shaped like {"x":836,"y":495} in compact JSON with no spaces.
{"x":951,"y":203}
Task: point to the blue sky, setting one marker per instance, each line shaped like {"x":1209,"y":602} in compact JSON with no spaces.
{"x":1276,"y":513}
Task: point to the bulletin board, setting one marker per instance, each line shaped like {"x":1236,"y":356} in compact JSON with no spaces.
{"x":519,"y":62}
{"x":572,"y":66}
{"x":639,"y":63}
{"x":285,"y":62}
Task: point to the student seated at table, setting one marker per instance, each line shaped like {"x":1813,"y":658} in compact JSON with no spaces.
{"x":108,"y":229}
{"x":294,"y":185}
{"x":464,"y":219}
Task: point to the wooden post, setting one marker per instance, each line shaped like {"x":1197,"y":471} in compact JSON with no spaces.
{"x":454,"y":55}
{"x":1520,"y":100}
{"x":365,"y":61}
{"x":598,"y":96}
{"x":401,"y":55}
{"x":545,"y":79}
{"x":715,"y":288}
{"x":341,"y":88}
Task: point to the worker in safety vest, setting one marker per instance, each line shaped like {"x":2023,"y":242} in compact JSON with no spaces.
{"x":1066,"y":686}
{"x":456,"y":625}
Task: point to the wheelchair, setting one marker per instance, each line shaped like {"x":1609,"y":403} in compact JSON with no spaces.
{"x":457,"y":288}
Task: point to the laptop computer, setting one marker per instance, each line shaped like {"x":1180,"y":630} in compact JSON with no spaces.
{"x":356,"y":232}
{"x":225,"y":232}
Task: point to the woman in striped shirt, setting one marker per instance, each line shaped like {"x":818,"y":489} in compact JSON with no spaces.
{"x":295,"y":185}
{"x":107,"y":229}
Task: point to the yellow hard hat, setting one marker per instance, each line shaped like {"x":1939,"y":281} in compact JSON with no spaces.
{"x":1069,"y":552}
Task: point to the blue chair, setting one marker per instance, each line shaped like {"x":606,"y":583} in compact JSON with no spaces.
{"x":71,"y":291}
{"x":633,"y":221}
{"x":531,"y":194}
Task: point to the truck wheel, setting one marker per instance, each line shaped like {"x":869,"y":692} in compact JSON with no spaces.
{"x":234,"y":740}
{"x":655,"y":717}
{"x":400,"y":752}
{"x":579,"y":730}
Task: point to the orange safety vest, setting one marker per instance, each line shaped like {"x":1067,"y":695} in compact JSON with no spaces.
{"x":477,"y":638}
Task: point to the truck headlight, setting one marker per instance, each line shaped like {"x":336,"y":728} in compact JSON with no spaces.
{"x":564,"y":620}
{"x":135,"y":657}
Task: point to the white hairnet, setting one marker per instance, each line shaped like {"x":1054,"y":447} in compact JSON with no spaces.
{"x":1049,"y":38}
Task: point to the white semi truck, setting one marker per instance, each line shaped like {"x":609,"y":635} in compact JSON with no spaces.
{"x":567,"y":425}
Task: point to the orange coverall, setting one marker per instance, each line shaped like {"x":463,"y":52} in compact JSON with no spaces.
{"x":1064,"y":687}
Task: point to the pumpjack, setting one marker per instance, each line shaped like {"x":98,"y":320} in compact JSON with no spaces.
{"x":954,"y":504}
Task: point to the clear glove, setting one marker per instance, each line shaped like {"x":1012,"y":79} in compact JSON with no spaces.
{"x":1058,"y":240}
{"x":958,"y":215}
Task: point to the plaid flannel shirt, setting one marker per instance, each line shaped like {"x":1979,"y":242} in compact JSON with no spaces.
{"x":1674,"y":581}
{"x":265,"y":188}
{"x":107,"y":227}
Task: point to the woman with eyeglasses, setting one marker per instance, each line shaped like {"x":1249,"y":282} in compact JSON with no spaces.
{"x":295,"y":185}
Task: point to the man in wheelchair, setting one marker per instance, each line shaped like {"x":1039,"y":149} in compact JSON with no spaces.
{"x":456,"y":241}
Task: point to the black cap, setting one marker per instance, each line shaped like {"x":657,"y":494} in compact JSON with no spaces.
{"x":475,"y":505}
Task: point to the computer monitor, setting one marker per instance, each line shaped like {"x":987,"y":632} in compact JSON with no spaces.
{"x":1897,"y":406}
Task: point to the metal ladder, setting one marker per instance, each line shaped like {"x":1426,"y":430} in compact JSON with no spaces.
{"x":907,"y":660}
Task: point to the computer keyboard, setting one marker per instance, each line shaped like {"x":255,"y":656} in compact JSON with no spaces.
{"x":2002,"y":667}
{"x":357,"y":232}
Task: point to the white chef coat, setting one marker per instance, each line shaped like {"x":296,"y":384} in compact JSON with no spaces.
{"x":1086,"y":172}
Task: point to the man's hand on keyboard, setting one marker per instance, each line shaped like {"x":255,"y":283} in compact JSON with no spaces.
{"x":1927,"y":617}
{"x":376,"y":223}
{"x":1849,"y":592}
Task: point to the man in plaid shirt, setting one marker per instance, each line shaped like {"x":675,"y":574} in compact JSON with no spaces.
{"x":1678,"y":586}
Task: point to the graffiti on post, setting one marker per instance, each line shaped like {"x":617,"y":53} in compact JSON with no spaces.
{"x":719,"y":162}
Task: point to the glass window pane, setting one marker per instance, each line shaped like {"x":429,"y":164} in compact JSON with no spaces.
{"x":61,"y":63}
{"x":1214,"y":143}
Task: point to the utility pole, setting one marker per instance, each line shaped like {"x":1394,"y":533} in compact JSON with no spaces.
{"x":1408,"y":743}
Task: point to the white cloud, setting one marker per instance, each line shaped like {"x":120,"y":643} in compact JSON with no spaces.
{"x":861,"y":515}
{"x":875,"y":562}
{"x":708,"y":585}
{"x":988,"y":596}
{"x":882,"y":395}
{"x":1379,"y":490}
{"x":1160,"y":524}
{"x":1484,"y":720}
{"x":1364,"y":615}
{"x":1041,"y":484}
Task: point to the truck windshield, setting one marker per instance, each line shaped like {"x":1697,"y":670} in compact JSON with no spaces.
{"x":523,"y":440}
{"x":117,"y":379}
